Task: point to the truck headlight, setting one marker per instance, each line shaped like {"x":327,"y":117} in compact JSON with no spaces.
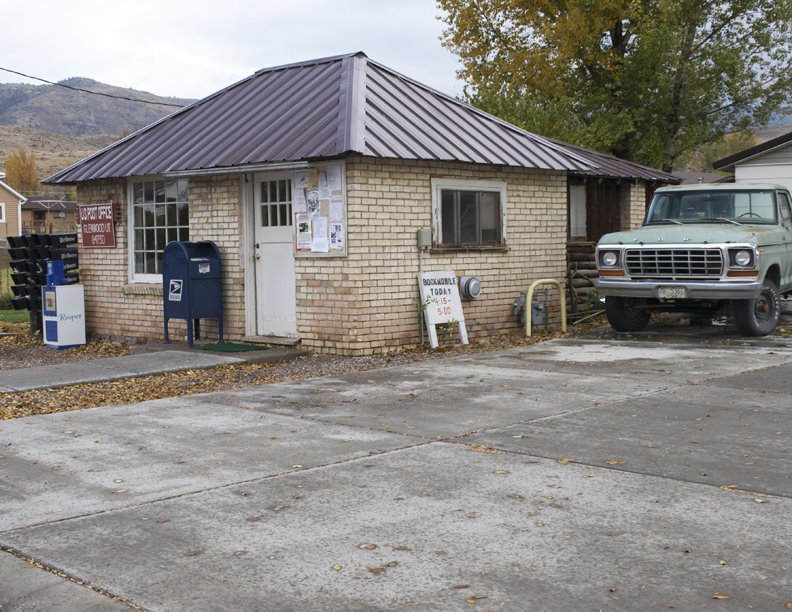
{"x":609,"y":258}
{"x":741,"y":258}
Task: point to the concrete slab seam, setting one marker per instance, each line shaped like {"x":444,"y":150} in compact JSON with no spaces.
{"x":62,"y":574}
{"x":220,"y":487}
{"x":326,"y":421}
{"x":506,"y":451}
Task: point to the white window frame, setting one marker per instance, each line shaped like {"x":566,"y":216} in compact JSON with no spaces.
{"x":133,"y":276}
{"x":577,"y":211}
{"x":440,"y":185}
{"x":2,"y":213}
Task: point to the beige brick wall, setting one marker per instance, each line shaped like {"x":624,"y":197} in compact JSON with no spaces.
{"x":368,"y":301}
{"x":215,"y":214}
{"x":117,"y":308}
{"x":633,"y":205}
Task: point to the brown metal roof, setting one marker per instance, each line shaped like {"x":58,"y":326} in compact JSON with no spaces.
{"x":328,"y":108}
{"x":49,"y":203}
{"x":606,"y":166}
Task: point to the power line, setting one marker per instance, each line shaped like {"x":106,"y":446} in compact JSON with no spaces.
{"x":96,"y":93}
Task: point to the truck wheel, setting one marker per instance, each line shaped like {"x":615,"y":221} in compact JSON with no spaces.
{"x":759,"y":317}
{"x":624,"y":316}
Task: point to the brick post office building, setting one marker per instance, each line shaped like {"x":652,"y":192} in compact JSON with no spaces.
{"x":313,"y":180}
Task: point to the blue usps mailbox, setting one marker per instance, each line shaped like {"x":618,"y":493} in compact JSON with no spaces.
{"x":192,"y":285}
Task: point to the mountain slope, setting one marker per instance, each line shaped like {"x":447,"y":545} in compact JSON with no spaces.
{"x":53,"y":152}
{"x":61,"y":126}
{"x":50,"y":108}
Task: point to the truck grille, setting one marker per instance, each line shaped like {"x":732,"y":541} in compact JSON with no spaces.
{"x":674,"y":262}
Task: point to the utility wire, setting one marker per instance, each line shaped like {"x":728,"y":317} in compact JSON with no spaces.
{"x":96,"y":93}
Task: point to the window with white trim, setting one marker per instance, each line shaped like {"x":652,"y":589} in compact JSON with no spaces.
{"x":159,"y":211}
{"x":2,"y":213}
{"x":469,"y":213}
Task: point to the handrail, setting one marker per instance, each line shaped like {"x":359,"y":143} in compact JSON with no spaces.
{"x":529,"y":302}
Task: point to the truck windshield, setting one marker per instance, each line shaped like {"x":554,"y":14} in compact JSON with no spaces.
{"x":717,"y":206}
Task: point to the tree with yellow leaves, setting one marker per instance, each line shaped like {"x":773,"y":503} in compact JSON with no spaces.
{"x":21,"y":172}
{"x":646,"y":80}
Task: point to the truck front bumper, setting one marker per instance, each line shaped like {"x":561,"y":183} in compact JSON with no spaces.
{"x":694,"y":290}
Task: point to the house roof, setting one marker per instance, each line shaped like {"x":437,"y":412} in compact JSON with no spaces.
{"x":694,"y":177}
{"x":606,"y":166}
{"x":48,"y":203}
{"x":11,"y":190}
{"x":727,"y":163}
{"x":329,"y":108}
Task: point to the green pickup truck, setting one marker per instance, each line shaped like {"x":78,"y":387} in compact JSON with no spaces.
{"x":702,"y":248}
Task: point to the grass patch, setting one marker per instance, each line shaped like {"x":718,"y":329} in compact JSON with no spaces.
{"x":5,"y":287}
{"x":14,"y":316}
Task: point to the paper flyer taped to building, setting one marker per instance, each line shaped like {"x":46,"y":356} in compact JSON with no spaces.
{"x":304,"y":236}
{"x":336,"y":236}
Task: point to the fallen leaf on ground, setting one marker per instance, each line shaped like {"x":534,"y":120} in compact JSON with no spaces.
{"x":481,"y":448}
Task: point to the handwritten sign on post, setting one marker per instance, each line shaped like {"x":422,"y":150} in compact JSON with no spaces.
{"x":97,"y":224}
{"x":441,"y":304}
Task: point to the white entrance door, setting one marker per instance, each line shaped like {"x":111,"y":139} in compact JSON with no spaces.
{"x":276,"y":308}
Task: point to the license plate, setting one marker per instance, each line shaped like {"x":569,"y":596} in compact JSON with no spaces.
{"x":671,"y":293}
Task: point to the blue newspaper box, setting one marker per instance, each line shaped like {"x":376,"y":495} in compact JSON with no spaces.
{"x":192,"y":288}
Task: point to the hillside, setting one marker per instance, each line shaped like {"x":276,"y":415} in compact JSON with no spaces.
{"x":49,"y":108}
{"x":61,"y":126}
{"x":53,"y":152}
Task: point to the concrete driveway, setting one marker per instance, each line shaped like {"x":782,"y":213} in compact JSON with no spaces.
{"x":600,"y":474}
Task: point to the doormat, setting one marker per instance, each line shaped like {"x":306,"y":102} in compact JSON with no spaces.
{"x":230,"y":347}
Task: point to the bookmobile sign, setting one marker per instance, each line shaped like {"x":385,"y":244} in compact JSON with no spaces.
{"x":97,"y":223}
{"x":441,"y":303}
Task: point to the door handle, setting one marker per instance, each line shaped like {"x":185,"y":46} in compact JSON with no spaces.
{"x":258,"y":255}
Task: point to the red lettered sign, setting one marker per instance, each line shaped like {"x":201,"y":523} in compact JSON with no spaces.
{"x":97,"y":225}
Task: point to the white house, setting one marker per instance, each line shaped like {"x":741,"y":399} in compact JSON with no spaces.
{"x":769,"y":162}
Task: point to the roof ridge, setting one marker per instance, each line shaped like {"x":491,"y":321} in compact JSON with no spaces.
{"x":314,"y":62}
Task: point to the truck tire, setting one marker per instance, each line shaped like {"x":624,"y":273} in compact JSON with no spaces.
{"x":759,"y":317}
{"x":624,"y":316}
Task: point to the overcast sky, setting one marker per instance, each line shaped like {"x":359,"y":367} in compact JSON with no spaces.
{"x":192,"y":48}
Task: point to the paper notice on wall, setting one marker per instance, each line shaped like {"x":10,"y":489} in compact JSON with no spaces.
{"x":324,"y":189}
{"x":334,"y":177}
{"x":320,"y":242}
{"x":336,"y":208}
{"x":320,"y":227}
{"x":299,"y":202}
{"x":337,"y":236}
{"x":320,"y":245}
{"x":312,"y":198}
{"x":301,"y":179}
{"x":304,"y":236}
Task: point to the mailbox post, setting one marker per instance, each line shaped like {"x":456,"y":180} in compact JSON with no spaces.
{"x":192,"y":285}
